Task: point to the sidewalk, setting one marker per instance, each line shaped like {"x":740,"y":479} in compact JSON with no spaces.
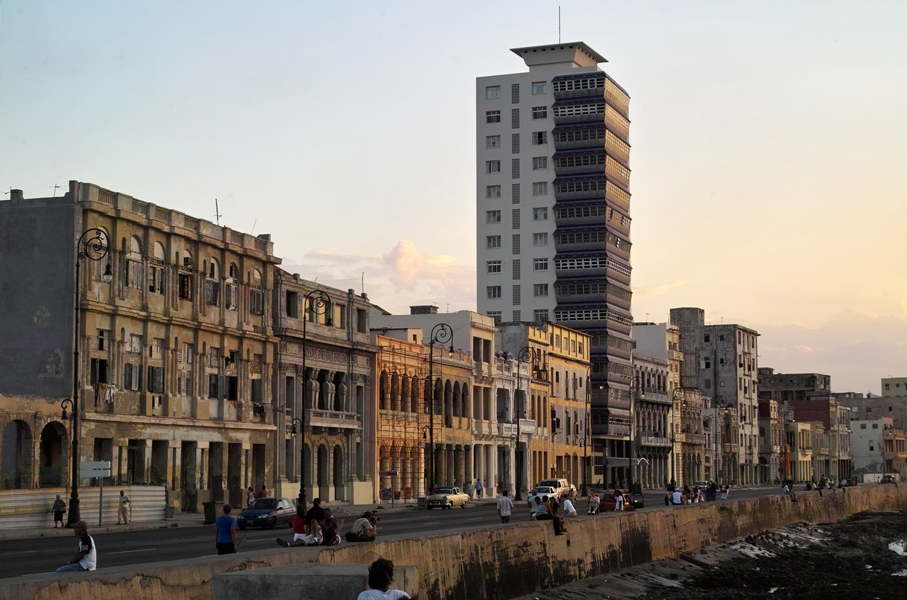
{"x":198,"y":520}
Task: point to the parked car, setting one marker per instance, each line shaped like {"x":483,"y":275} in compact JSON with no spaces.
{"x":267,"y":512}
{"x":447,"y":497}
{"x":561,"y":486}
{"x":541,"y":490}
{"x":606,"y":501}
{"x":888,"y":479}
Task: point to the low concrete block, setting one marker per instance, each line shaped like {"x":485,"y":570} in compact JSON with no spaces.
{"x":312,"y":581}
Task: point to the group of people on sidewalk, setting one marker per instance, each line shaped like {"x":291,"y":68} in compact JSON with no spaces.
{"x":546,"y":510}
{"x":696,"y":494}
{"x":316,"y":527}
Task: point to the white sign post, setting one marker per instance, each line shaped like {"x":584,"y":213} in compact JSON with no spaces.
{"x":99,"y":469}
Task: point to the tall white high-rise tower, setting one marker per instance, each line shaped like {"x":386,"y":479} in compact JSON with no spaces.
{"x":553,"y":210}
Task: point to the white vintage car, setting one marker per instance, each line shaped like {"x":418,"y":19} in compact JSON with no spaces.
{"x":447,"y":497}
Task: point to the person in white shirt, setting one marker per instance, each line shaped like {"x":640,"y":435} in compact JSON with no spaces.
{"x":618,"y":500}
{"x":380,"y":578}
{"x":505,"y":507}
{"x":123,"y":512}
{"x":87,"y":558}
{"x":677,"y":497}
{"x":567,"y":508}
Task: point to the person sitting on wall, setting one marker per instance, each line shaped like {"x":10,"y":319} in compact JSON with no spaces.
{"x":364,"y":529}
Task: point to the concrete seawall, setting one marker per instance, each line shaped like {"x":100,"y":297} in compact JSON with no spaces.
{"x":499,"y":563}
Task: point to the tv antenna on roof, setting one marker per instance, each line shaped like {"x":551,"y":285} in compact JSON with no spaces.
{"x":217,"y":214}
{"x":558,"y":24}
{"x":56,"y":187}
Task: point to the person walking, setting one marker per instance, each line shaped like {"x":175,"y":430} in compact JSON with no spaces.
{"x":479,"y":487}
{"x":87,"y":557}
{"x":123,"y":510}
{"x":251,"y":498}
{"x":505,"y":507}
{"x":618,"y":500}
{"x":59,"y":509}
{"x":225,"y":532}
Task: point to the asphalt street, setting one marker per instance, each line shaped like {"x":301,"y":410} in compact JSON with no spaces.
{"x":25,"y":556}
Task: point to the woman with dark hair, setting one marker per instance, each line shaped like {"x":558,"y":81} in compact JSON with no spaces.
{"x":380,"y":578}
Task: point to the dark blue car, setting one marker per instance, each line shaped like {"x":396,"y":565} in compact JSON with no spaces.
{"x":267,"y":512}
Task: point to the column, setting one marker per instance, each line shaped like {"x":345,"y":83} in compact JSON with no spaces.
{"x":469,"y":452}
{"x":491,"y":466}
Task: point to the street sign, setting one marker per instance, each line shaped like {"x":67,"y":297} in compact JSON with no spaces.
{"x":99,"y":469}
{"x":95,"y":469}
{"x":388,"y":473}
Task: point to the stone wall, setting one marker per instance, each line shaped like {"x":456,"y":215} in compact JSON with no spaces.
{"x":498,"y":563}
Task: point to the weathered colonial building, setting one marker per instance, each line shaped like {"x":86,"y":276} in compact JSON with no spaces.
{"x":175,"y":352}
{"x":807,"y":397}
{"x":722,"y":362}
{"x":324,"y":379}
{"x":556,"y":370}
{"x":652,"y":420}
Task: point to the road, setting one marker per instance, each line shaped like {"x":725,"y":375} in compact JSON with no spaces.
{"x":25,"y":556}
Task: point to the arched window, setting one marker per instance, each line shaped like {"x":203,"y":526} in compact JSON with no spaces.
{"x":156,"y":270}
{"x":134,"y":268}
{"x":257,"y":294}
{"x":212,"y":283}
{"x":185,"y":275}
{"x":232,"y":289}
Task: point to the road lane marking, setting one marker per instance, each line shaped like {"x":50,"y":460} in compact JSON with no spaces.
{"x":431,"y":522}
{"x":252,"y":540}
{"x":131,"y":551}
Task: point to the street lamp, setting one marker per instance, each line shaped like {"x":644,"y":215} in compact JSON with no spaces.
{"x":318,"y":302}
{"x":94,"y":247}
{"x":525,"y":355}
{"x":634,"y":389}
{"x":441,"y":334}
{"x":586,"y":428}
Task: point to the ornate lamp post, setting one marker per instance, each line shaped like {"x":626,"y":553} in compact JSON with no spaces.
{"x":634,"y":390}
{"x":440,"y":334}
{"x":525,"y":355}
{"x":95,"y":247}
{"x":586,"y":428}
{"x":318,"y":302}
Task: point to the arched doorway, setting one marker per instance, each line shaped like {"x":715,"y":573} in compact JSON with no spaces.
{"x":16,"y":462}
{"x":338,"y":473}
{"x":53,"y":459}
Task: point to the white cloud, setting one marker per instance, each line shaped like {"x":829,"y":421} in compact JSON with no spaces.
{"x":402,"y":277}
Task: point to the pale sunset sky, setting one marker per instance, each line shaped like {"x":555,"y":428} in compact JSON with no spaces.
{"x":767,"y":144}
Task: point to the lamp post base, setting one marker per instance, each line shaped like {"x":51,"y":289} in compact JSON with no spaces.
{"x":74,"y":515}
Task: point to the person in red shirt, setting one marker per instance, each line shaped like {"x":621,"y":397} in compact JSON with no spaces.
{"x":298,"y":530}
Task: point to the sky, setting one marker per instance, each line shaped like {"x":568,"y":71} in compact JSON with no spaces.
{"x":767,"y":144}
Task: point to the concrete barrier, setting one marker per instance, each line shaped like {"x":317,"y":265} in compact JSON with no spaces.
{"x":31,"y":508}
{"x":312,"y":581}
{"x":498,"y":563}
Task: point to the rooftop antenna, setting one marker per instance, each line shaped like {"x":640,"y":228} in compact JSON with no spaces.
{"x":363,"y":282}
{"x":253,"y":226}
{"x":56,"y":187}
{"x":9,"y":192}
{"x":217,"y":214}
{"x":558,"y":24}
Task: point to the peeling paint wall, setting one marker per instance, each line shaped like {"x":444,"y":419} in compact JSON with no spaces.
{"x":497,"y":563}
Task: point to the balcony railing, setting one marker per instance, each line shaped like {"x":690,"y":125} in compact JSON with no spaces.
{"x":697,"y":439}
{"x":769,"y":449}
{"x":647,"y":440}
{"x":332,"y":419}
